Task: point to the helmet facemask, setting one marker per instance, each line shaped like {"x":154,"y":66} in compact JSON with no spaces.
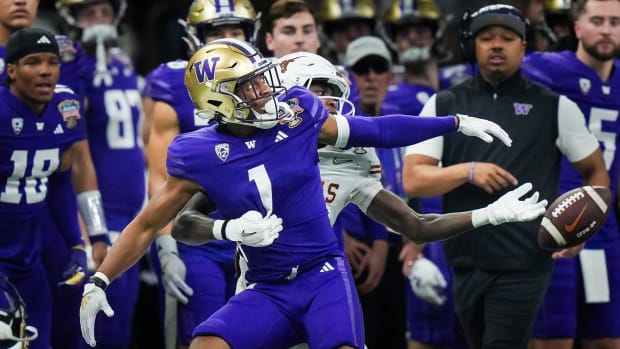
{"x":247,"y":92}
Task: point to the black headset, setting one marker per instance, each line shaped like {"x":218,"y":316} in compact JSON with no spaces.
{"x":468,"y":48}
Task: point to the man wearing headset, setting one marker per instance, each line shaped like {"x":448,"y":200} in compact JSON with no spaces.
{"x":500,"y":279}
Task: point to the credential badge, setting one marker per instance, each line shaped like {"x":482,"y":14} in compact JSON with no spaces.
{"x":222,"y":150}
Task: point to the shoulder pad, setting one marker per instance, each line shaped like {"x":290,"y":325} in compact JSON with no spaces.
{"x":63,"y":89}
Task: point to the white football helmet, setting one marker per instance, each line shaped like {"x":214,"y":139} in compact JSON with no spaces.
{"x":223,"y":80}
{"x":306,"y":69}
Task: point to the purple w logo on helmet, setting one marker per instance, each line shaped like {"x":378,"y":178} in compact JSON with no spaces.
{"x":205,"y":68}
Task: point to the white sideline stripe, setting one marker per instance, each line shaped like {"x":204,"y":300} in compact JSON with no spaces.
{"x":555,"y":233}
{"x":598,"y":200}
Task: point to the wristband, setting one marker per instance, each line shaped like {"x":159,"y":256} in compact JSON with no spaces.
{"x":219,"y":229}
{"x":224,"y":229}
{"x":479,"y":217}
{"x":100,"y":280}
{"x":100,"y":238}
{"x":470,"y":177}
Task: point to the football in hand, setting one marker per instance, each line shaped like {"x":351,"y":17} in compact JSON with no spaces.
{"x":574,"y":217}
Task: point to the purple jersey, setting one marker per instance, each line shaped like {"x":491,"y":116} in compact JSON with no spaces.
{"x":599,"y":102}
{"x":259,"y":172}
{"x":113,"y":120}
{"x":408,"y":98}
{"x":453,"y":75}
{"x":31,"y":151}
{"x":165,"y":83}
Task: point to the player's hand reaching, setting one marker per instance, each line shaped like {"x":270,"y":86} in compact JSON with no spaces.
{"x":427,"y":281}
{"x":251,"y":229}
{"x":75,"y":269}
{"x":93,"y":300}
{"x":483,"y":129}
{"x":172,"y":269}
{"x":510,"y":208}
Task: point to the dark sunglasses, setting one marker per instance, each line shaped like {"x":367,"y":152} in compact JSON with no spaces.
{"x":378,"y":65}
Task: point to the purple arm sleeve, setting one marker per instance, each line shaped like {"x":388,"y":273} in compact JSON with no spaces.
{"x":62,"y":203}
{"x":391,"y":131}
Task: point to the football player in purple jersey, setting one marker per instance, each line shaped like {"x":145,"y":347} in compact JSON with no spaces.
{"x":258,"y":165}
{"x":113,"y":116}
{"x":70,"y":262}
{"x":42,"y":133}
{"x":583,"y":299}
{"x":197,"y":280}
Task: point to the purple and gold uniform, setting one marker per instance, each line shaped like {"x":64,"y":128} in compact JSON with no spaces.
{"x":31,"y":151}
{"x":584,"y":296}
{"x":210,"y":267}
{"x":300,"y":286}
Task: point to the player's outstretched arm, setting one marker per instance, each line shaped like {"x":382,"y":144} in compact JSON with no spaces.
{"x":390,"y":210}
{"x":134,"y":240}
{"x":391,"y":131}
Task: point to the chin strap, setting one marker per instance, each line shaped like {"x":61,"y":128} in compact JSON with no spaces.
{"x":100,"y":33}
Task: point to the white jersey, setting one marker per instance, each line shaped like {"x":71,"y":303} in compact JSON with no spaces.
{"x":349,"y":175}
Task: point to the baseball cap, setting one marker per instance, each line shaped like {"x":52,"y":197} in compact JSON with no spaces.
{"x":29,"y":40}
{"x":365,"y":46}
{"x":498,"y":14}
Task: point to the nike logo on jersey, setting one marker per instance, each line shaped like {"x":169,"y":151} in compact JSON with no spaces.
{"x":341,"y":161}
{"x":570,"y":227}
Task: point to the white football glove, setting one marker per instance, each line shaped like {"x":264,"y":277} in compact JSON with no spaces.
{"x":251,"y":229}
{"x":93,"y":300}
{"x":427,"y":282}
{"x":172,"y":269}
{"x":509,"y":208}
{"x":483,"y":129}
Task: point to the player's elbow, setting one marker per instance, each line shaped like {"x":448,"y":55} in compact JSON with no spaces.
{"x":412,"y":183}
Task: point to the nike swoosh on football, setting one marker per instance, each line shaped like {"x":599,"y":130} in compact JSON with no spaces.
{"x":341,"y":161}
{"x":570,"y":227}
{"x":244,"y":234}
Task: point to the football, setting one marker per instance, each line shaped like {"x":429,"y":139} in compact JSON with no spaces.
{"x":574,"y":217}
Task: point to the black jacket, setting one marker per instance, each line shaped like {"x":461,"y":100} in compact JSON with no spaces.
{"x":529,"y":113}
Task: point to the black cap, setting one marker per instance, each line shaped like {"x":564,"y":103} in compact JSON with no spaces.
{"x":498,"y":14}
{"x":29,"y":40}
